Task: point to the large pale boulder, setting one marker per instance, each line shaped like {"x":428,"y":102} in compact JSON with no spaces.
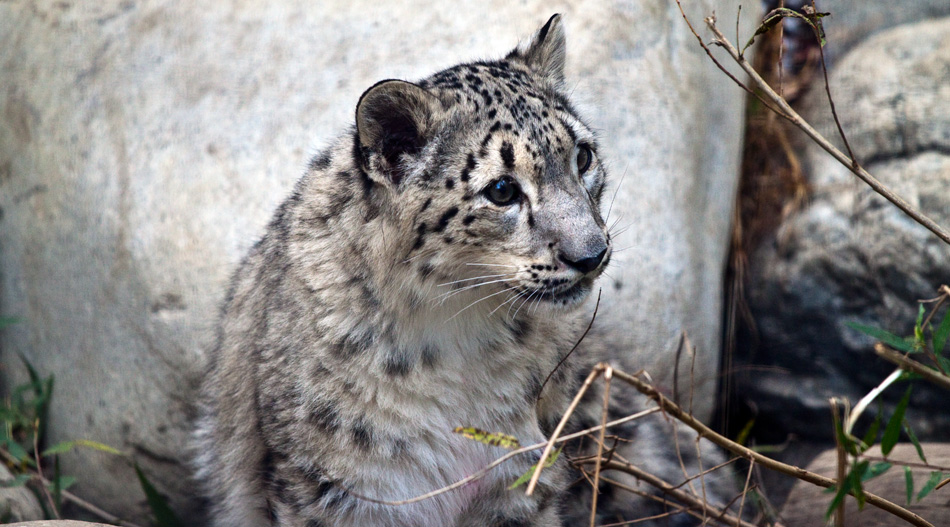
{"x":143,"y":146}
{"x":852,"y":21}
{"x":849,"y":255}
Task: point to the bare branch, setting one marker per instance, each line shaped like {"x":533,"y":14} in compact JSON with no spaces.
{"x":908,"y":364}
{"x":785,"y":110}
{"x":722,"y":441}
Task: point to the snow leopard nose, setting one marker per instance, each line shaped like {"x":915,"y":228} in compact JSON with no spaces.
{"x":584,"y":265}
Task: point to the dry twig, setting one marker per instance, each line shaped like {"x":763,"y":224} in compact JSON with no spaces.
{"x":909,"y":364}
{"x":780,"y":106}
{"x":797,"y":472}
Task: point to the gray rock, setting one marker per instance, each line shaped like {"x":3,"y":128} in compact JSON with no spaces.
{"x":807,"y":503}
{"x":852,"y":21}
{"x":143,"y":146}
{"x":18,"y":504}
{"x":851,"y":256}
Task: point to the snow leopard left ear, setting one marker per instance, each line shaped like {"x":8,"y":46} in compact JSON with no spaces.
{"x":395,"y":118}
{"x":545,"y":52}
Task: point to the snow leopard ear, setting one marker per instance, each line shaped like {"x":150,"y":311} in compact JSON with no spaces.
{"x":394,"y":118}
{"x":545,"y":52}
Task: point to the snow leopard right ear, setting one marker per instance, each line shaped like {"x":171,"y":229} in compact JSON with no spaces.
{"x":545,"y":52}
{"x":395,"y":118}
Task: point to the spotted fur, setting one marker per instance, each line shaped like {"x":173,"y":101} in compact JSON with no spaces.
{"x":399,"y":293}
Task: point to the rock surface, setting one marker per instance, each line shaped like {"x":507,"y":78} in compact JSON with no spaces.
{"x":144,"y":145}
{"x":851,"y":256}
{"x":18,"y":502}
{"x":806,"y":505}
{"x":852,"y":21}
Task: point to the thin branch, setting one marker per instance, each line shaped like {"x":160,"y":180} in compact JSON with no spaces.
{"x":797,"y":120}
{"x":488,"y":468}
{"x":908,"y":364}
{"x":703,"y":510}
{"x":594,"y":373}
{"x":745,"y":489}
{"x":722,"y":441}
{"x":720,"y":66}
{"x":608,"y":374}
{"x":842,"y":456}
{"x":831,"y":102}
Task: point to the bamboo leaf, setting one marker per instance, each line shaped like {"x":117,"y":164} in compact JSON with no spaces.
{"x":858,"y":475}
{"x":164,"y":516}
{"x":931,"y":484}
{"x":876,"y":470}
{"x":919,"y":342}
{"x":870,"y":437}
{"x":893,"y":431}
{"x":527,"y":475}
{"x":66,"y":446}
{"x":913,"y":439}
{"x":493,"y":439}
{"x":940,"y":336}
{"x":909,"y":483}
{"x":892,"y":340}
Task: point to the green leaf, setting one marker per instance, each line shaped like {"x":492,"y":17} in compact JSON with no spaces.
{"x":8,"y":321}
{"x":892,"y":340}
{"x":893,"y":431}
{"x":744,"y":433}
{"x":940,"y":336}
{"x":876,"y":470}
{"x":66,"y":446}
{"x":919,"y":342}
{"x":493,"y":439}
{"x":858,"y":475}
{"x":527,"y":475}
{"x":931,"y":484}
{"x":164,"y":516}
{"x":913,"y":439}
{"x":870,"y":437}
{"x":909,"y":483}
{"x":18,"y":481}
{"x":15,"y":449}
{"x":852,"y":484}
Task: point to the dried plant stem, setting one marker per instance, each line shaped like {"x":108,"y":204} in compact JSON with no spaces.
{"x":696,"y":506}
{"x":79,"y":502}
{"x":608,"y":374}
{"x":842,"y":457}
{"x":786,"y":111}
{"x":797,"y":472}
{"x":594,"y":373}
{"x":908,"y":364}
{"x":488,"y":468}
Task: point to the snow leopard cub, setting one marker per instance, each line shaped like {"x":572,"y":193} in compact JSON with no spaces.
{"x":424,"y":274}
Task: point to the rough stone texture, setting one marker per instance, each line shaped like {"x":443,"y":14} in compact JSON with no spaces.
{"x":807,"y":503}
{"x":852,"y":21}
{"x":143,"y":146}
{"x":18,"y":502}
{"x":851,"y":256}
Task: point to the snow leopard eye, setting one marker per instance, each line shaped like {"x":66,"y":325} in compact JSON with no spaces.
{"x":584,"y":158}
{"x":503,"y":191}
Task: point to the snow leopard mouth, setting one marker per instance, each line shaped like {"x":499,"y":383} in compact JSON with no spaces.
{"x":566,"y":296}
